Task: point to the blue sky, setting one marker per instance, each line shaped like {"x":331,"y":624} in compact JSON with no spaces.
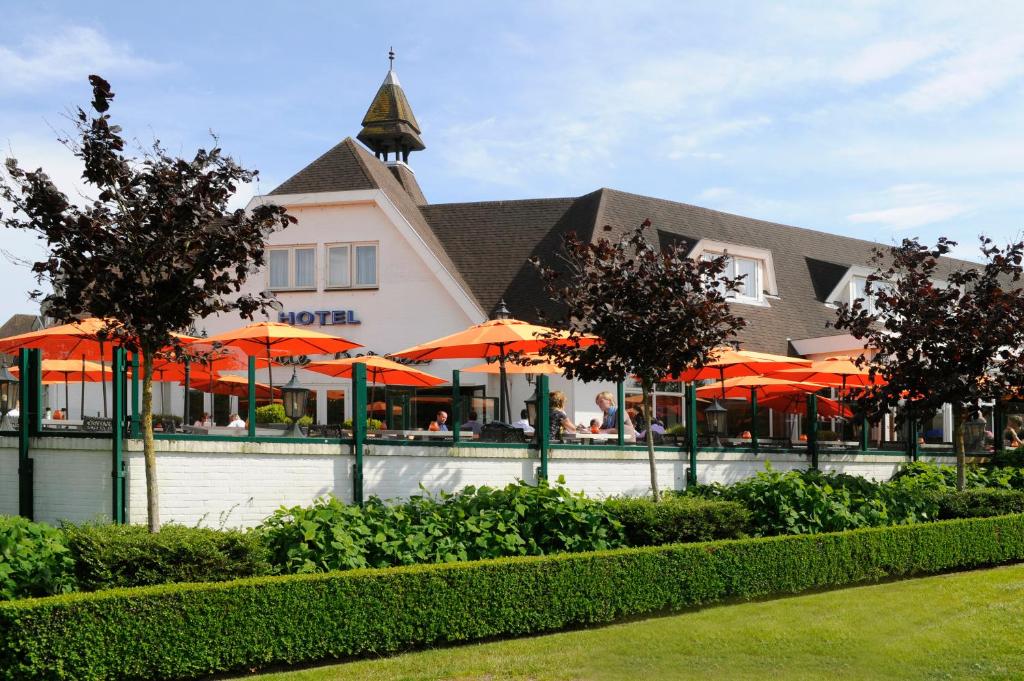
{"x":876,"y":120}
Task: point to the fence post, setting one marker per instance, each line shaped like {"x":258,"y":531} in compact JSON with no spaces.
{"x":117,"y":437}
{"x":865,"y":433}
{"x":543,"y":424}
{"x":188,"y":391}
{"x":358,"y":429}
{"x":999,"y":427}
{"x":136,"y":427}
{"x":25,"y":464}
{"x":251,"y":420}
{"x":456,"y":407}
{"x":691,"y":430}
{"x":912,"y":447}
{"x":753,"y":419}
{"x":35,"y":394}
{"x":812,"y":429}
{"x":620,"y":413}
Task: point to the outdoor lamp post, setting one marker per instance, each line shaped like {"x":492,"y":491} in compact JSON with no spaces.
{"x":716,"y":419}
{"x":974,"y":434}
{"x":294,"y":397}
{"x":8,"y":394}
{"x":531,"y":409}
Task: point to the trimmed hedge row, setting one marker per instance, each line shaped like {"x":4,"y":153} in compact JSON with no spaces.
{"x":188,"y":631}
{"x":675,"y":520}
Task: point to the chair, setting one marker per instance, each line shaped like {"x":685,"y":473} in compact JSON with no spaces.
{"x":496,"y":431}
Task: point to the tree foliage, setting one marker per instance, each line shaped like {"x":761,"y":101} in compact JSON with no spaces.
{"x":940,"y":337}
{"x":657,"y":311}
{"x":155,"y":249}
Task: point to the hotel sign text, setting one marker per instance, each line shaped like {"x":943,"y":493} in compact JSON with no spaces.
{"x":318,"y":317}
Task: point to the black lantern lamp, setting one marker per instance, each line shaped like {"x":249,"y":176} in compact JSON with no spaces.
{"x":8,"y":390}
{"x":974,"y":434}
{"x":294,"y":397}
{"x":716,"y":416}
{"x":531,"y":409}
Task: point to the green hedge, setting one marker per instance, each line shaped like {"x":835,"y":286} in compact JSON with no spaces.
{"x":675,"y":520}
{"x":34,"y":559}
{"x":981,"y":503}
{"x":189,"y":631}
{"x":108,"y":556}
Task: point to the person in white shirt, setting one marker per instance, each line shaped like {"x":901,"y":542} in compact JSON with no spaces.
{"x":236,"y":422}
{"x":48,"y":414}
{"x":204,"y":422}
{"x":523,"y":423}
{"x":14,"y":413}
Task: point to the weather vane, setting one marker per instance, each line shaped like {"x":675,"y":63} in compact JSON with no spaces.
{"x":391,"y":58}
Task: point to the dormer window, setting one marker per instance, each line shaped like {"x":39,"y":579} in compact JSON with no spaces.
{"x":754,"y":265}
{"x":852,"y":286}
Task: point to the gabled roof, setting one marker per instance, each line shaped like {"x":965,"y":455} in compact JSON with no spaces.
{"x":21,"y":323}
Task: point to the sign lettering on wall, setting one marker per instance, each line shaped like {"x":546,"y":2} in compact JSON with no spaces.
{"x":318,"y":317}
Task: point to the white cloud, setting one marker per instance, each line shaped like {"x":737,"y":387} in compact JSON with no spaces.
{"x":970,"y":76}
{"x":689,"y":144}
{"x":716,"y":193}
{"x":886,"y":59}
{"x":906,"y":217}
{"x":66,"y":55}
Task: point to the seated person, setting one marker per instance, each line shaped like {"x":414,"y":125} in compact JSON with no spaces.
{"x":473,"y":424}
{"x":523,"y":423}
{"x":595,"y":426}
{"x":559,"y":421}
{"x":609,"y":419}
{"x":47,"y":414}
{"x":203,"y":421}
{"x":236,"y":422}
{"x":440,"y":422}
{"x":58,"y":415}
{"x":1011,"y":434}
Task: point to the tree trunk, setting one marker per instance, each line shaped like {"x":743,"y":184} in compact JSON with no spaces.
{"x":148,"y":445}
{"x":958,"y":446}
{"x":648,"y":413}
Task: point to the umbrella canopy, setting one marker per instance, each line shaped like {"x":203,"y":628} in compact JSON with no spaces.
{"x":78,"y":340}
{"x":795,"y":403}
{"x":71,"y":371}
{"x":494,"y":339}
{"x":728,"y":363}
{"x":741,"y":386}
{"x":378,"y":370}
{"x":234,"y":385}
{"x":274,"y":339}
{"x":838,"y":371}
{"x":494,"y":368}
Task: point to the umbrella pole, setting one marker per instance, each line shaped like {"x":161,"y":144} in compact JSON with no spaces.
{"x":504,"y":408}
{"x":270,"y":374}
{"x":67,"y":400}
{"x":103,"y":373}
{"x":81,"y":410}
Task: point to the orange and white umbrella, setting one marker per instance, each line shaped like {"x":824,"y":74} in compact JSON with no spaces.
{"x":56,"y":371}
{"x":741,"y":387}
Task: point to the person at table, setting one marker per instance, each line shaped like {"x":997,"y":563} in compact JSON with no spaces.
{"x":609,"y":414}
{"x":523,"y":423}
{"x":1011,"y":434}
{"x":236,"y":422}
{"x":48,"y":414}
{"x":440,"y":422}
{"x":14,"y":413}
{"x":58,"y":415}
{"x":204,"y":421}
{"x":559,"y":421}
{"x":473,"y":424}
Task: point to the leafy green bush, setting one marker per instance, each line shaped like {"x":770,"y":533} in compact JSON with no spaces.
{"x":371,"y":424}
{"x":477,"y":522}
{"x":807,"y":502}
{"x":1007,"y":477}
{"x":678,"y":519}
{"x":34,"y":560}
{"x":195,"y":630}
{"x":1009,"y":457}
{"x":166,"y":418}
{"x":107,"y":556}
{"x":980,"y":502}
{"x":678,"y":430}
{"x":270,"y":413}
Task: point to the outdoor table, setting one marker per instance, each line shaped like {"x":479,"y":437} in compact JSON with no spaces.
{"x":425,"y":434}
{"x":61,"y":424}
{"x":599,"y":437}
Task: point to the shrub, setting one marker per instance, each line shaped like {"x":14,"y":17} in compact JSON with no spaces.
{"x":1009,"y":457}
{"x":977,"y":503}
{"x":1006,"y":477}
{"x":270,"y":413}
{"x":678,"y":519}
{"x":166,"y":418}
{"x":107,"y":556}
{"x":477,"y":522}
{"x":371,"y":424}
{"x":194,"y":630}
{"x":34,"y":560}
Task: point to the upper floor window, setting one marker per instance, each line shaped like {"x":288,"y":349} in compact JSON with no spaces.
{"x":754,"y":265}
{"x":352,"y":265}
{"x":749,"y":288}
{"x":292,"y":267}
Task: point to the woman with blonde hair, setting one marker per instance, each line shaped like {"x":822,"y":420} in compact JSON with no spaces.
{"x":609,"y":413}
{"x":559,"y":421}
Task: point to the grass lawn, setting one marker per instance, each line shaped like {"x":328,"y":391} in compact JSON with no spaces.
{"x":968,"y":625}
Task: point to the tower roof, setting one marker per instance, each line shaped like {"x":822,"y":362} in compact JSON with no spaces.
{"x":389,"y":124}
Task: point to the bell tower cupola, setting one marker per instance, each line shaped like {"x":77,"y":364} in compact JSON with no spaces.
{"x":389,"y":126}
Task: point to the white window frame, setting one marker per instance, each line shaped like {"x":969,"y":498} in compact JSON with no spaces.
{"x":731,"y":272}
{"x":352,"y":266}
{"x":766,"y":285}
{"x":292,"y":270}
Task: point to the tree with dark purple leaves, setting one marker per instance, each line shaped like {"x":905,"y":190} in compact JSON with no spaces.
{"x":156,"y":248}
{"x":657,"y":311}
{"x":938,"y":338}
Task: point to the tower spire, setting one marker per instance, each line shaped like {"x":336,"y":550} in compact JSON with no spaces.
{"x":389,"y":125}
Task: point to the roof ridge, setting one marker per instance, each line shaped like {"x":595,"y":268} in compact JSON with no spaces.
{"x":353,"y":147}
{"x":499,"y":201}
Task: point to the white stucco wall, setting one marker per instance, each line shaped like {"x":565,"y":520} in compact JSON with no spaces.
{"x":238,"y":484}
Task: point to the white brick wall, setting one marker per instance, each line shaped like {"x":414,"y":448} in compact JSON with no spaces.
{"x":238,"y":484}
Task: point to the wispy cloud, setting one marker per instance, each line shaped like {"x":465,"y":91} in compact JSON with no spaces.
{"x":64,"y":56}
{"x":884,"y":60}
{"x":970,"y":76}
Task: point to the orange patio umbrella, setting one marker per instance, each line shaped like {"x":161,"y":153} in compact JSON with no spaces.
{"x":728,"y":363}
{"x":796,"y":403}
{"x":494,"y":339}
{"x":235,"y":385}
{"x":494,"y":368}
{"x":741,"y":386}
{"x":56,"y":371}
{"x":274,"y":339}
{"x":841,"y":372}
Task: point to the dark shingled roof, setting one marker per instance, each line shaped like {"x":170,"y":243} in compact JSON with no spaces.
{"x":486,"y":245}
{"x":20,"y":323}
